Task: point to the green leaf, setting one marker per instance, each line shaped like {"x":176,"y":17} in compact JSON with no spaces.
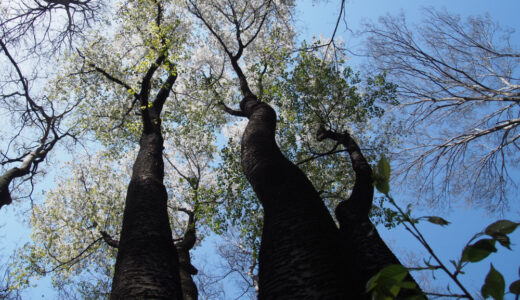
{"x":408,"y":285}
{"x":503,"y":240}
{"x":501,"y":227}
{"x":396,"y":272}
{"x":515,"y":287}
{"x":382,"y":186}
{"x":387,"y":282}
{"x":437,"y":220}
{"x":383,"y":168}
{"x":494,"y":285}
{"x":379,"y":296}
{"x":372,"y":283}
{"x":382,"y":176}
{"x":478,"y":251}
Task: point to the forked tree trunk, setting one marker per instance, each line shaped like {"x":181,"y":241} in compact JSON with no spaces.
{"x":300,"y":254}
{"x":147,"y":266}
{"x":364,"y":245}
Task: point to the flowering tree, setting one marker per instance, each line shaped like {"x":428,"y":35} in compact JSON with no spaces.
{"x":152,"y":81}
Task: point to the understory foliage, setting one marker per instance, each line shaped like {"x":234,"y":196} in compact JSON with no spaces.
{"x":387,"y":283}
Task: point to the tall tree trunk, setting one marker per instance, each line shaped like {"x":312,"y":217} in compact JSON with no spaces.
{"x":301,"y":251}
{"x":361,"y":239}
{"x":147,"y":266}
{"x":300,"y":255}
{"x":187,"y":270}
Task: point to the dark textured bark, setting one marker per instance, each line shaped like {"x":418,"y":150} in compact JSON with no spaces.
{"x":187,"y":270}
{"x":301,"y":251}
{"x":147,"y":266}
{"x":5,"y":180}
{"x":109,"y":240}
{"x":28,"y":166}
{"x":362,"y":241}
{"x":300,"y":255}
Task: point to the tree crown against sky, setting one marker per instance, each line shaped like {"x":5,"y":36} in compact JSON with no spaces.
{"x":184,"y":111}
{"x":108,"y":70}
{"x":34,"y":36}
{"x":458,"y":81}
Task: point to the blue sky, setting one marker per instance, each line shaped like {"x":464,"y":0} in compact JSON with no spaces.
{"x":319,"y":17}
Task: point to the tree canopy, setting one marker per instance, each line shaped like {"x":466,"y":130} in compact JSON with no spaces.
{"x":136,"y":77}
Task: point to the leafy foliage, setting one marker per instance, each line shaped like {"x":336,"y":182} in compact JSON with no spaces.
{"x":494,"y":285}
{"x":67,"y":242}
{"x":387,"y":282}
{"x":310,"y":91}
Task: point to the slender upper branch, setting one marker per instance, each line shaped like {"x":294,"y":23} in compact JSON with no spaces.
{"x":363,"y":190}
{"x":231,"y":111}
{"x":164,"y":92}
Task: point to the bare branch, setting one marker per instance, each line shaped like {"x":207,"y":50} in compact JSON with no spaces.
{"x":459,"y":87}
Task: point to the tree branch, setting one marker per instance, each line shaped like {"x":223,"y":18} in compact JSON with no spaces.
{"x":109,"y":240}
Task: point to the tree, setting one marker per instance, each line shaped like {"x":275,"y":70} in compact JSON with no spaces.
{"x":310,"y":238}
{"x":147,"y":263}
{"x":75,"y":231}
{"x":119,"y":74}
{"x":461,"y":77}
{"x":298,"y":96}
{"x":362,"y":242}
{"x":38,"y":117}
{"x":49,"y":24}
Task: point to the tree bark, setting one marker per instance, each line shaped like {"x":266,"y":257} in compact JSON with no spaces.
{"x":11,"y":174}
{"x":301,"y":251}
{"x":300,"y":255}
{"x":364,"y":246}
{"x":5,"y":181}
{"x":187,"y":270}
{"x":147,"y":265}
